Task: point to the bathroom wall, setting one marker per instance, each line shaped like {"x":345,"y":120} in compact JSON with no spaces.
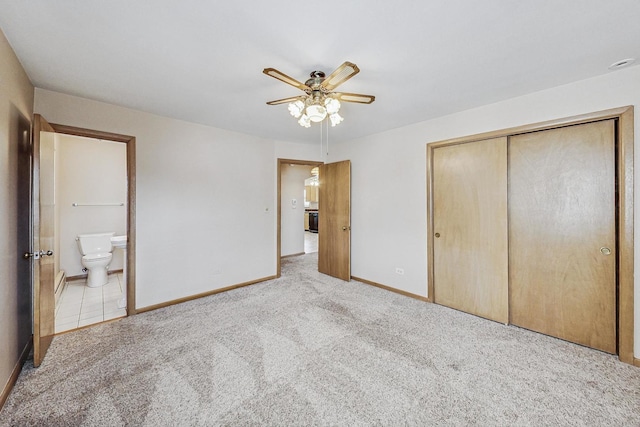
{"x":16,"y":106}
{"x":292,"y":216}
{"x":89,"y":171}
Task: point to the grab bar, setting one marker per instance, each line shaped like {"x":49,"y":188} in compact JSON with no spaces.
{"x":75,"y":205}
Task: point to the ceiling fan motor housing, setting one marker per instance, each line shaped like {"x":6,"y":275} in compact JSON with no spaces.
{"x":317,"y":77}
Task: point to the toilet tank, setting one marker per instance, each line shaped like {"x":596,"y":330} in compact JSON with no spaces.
{"x":94,"y":243}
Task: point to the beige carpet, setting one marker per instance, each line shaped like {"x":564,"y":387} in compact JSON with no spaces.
{"x":307,"y":349}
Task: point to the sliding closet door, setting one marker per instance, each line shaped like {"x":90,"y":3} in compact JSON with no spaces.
{"x":562,"y":242}
{"x":470,"y":254}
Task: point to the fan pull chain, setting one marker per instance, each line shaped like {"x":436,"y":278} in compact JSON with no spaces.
{"x":327,"y":124}
{"x":324,"y":155}
{"x":321,"y":152}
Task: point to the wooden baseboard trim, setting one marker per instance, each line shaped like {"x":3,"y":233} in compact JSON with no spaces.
{"x":292,"y":255}
{"x":84,"y":276}
{"x":15,"y":373}
{"x":388,"y":288}
{"x":202,"y":295}
{"x":636,"y":362}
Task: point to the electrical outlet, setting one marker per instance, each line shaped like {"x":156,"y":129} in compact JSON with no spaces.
{"x":399,"y":271}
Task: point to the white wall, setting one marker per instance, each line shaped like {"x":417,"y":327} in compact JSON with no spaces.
{"x":292,"y":150}
{"x":89,"y":171}
{"x":389,"y":174}
{"x":292,"y":218}
{"x":205,"y":197}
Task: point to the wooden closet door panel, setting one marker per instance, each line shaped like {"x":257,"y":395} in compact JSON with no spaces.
{"x":470,"y":266}
{"x":561,"y":227}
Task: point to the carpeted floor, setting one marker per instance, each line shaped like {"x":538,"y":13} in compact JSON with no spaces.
{"x":308,"y":349}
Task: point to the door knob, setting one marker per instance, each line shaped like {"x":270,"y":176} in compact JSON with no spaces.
{"x":36,"y":255}
{"x":437,"y":235}
{"x":345,"y":228}
{"x":605,"y":251}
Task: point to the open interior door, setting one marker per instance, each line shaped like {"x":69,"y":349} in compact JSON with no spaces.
{"x":43,"y":238}
{"x":334,"y":222}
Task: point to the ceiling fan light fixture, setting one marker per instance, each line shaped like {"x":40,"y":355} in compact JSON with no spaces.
{"x":320,"y":101}
{"x":316,"y":113}
{"x":335,"y":119}
{"x":296,"y":108}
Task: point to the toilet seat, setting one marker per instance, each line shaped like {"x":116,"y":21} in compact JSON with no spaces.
{"x":97,"y":257}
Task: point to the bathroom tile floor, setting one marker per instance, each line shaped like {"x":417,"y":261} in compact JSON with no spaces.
{"x":80,"y":305}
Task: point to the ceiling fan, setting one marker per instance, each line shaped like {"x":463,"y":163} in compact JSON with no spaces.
{"x":319,"y":100}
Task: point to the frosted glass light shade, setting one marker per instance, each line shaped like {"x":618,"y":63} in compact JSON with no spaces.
{"x":335,"y":119}
{"x":316,"y":109}
{"x":316,"y":113}
{"x":332,"y":105}
{"x":295,"y":108}
{"x":304,"y":121}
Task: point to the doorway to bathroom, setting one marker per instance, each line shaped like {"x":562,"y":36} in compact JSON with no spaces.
{"x":83,"y":183}
{"x":90,"y":178}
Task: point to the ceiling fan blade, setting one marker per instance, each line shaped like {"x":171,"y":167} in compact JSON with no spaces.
{"x":272,"y":72}
{"x":340,"y":75}
{"x":285,"y":100}
{"x":354,"y":97}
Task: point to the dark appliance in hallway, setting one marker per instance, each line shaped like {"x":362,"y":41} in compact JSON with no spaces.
{"x":313,"y":222}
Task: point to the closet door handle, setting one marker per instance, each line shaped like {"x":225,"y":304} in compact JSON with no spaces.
{"x":605,"y":251}
{"x":437,"y":235}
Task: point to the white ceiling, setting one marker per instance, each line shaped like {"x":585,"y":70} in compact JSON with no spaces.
{"x":202,"y":61}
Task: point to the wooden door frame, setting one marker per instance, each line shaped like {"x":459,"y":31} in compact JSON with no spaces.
{"x":281,"y":163}
{"x":130,"y":141}
{"x":624,"y":234}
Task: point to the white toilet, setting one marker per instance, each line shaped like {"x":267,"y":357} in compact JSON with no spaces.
{"x":96,"y":256}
